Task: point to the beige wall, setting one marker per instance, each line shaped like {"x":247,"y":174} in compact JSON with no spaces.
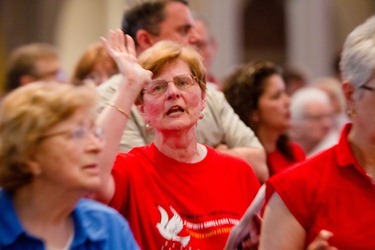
{"x":82,"y":22}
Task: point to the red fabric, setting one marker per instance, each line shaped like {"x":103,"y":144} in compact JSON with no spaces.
{"x":331,"y":191}
{"x":209,"y":196}
{"x":277,"y":162}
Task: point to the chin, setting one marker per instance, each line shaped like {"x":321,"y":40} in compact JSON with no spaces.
{"x":92,"y":183}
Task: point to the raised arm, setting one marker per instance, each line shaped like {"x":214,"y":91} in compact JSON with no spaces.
{"x":115,"y":115}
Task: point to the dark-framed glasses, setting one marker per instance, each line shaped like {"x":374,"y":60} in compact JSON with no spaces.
{"x":79,"y":133}
{"x":159,"y":87}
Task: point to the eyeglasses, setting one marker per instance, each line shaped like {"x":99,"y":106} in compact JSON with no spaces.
{"x":79,"y":133}
{"x":159,"y":87}
{"x":319,"y":117}
{"x":365,"y":87}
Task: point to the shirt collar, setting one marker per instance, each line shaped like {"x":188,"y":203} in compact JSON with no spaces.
{"x":344,"y":153}
{"x":87,"y":228}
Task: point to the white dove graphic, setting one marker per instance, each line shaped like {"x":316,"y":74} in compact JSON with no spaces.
{"x":169,"y":228}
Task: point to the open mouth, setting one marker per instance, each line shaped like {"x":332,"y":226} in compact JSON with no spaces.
{"x":175,"y":110}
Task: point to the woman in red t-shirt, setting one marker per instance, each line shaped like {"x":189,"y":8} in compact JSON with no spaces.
{"x":256,"y":92}
{"x":328,"y":201}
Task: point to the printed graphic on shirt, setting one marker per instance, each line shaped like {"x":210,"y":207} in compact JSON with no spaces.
{"x":180,"y":232}
{"x":170,"y":228}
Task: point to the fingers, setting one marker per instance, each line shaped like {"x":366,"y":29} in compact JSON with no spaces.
{"x":130,"y":45}
{"x":321,"y":241}
{"x":106,"y":44}
{"x":121,"y":41}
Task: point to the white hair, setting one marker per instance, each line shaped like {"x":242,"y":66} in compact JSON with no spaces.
{"x":304,"y":96}
{"x":358,"y":56}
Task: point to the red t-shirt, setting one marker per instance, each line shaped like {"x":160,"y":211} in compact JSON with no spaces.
{"x":179,"y":205}
{"x":331,"y":191}
{"x":277,"y":162}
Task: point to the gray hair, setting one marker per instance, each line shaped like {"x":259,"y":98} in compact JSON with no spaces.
{"x":305,"y":96}
{"x":358,"y":56}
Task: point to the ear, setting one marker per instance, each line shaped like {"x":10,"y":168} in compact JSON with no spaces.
{"x":348,"y":90}
{"x":25,"y":79}
{"x":145,"y":39}
{"x":204,"y":102}
{"x":142,"y":111}
{"x":35,"y":167}
{"x":254,"y":117}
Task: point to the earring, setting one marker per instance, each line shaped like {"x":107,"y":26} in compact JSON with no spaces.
{"x":148,"y":126}
{"x":201,"y":115}
{"x":350,"y":112}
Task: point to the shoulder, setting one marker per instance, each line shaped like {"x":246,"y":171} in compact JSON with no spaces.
{"x":214,"y":97}
{"x":134,"y":161}
{"x":99,"y":222}
{"x":306,"y":175}
{"x":135,"y":154}
{"x":222,"y":156}
{"x":97,"y":218}
{"x":110,"y":86}
{"x":227,"y":162}
{"x":297,"y":150}
{"x":92,"y":210}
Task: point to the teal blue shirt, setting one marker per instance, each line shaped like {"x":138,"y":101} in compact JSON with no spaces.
{"x":96,"y":226}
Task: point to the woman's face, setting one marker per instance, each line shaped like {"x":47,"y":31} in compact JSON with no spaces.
{"x":177,"y":108}
{"x":102,"y":71}
{"x":68,"y":154}
{"x":273,"y":105}
{"x":362,"y":103}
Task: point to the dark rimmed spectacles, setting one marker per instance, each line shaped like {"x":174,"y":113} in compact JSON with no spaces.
{"x":78,"y":133}
{"x":159,"y":87}
{"x":365,"y":87}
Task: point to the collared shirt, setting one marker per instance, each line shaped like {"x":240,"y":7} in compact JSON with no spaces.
{"x":96,"y":226}
{"x":331,"y":191}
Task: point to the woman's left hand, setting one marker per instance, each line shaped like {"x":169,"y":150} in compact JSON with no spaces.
{"x":122,"y":49}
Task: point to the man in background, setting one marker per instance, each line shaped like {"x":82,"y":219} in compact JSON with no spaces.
{"x":30,"y":63}
{"x":147,"y":23}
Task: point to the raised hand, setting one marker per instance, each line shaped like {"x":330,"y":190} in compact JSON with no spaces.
{"x":122,"y":49}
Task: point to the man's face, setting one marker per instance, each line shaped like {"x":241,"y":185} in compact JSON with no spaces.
{"x":178,"y":25}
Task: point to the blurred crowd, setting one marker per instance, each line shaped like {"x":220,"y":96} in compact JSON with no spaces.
{"x":142,"y":147}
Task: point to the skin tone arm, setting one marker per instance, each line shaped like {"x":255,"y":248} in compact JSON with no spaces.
{"x":256,"y":157}
{"x":288,"y":235}
{"x":291,"y":235}
{"x":113,"y":120}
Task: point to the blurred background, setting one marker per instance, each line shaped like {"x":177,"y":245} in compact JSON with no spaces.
{"x":306,"y":34}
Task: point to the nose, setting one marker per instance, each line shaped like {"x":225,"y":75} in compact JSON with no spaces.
{"x":194,"y":37}
{"x":327,"y":121}
{"x":95,"y":143}
{"x":172,"y":91}
{"x":287,"y":99}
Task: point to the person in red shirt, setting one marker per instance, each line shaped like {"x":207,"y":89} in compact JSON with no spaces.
{"x":256,"y":91}
{"x":328,"y":202}
{"x":176,"y":193}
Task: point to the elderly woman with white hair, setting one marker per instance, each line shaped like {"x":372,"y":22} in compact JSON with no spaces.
{"x":328,"y":202}
{"x":312,"y":120}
